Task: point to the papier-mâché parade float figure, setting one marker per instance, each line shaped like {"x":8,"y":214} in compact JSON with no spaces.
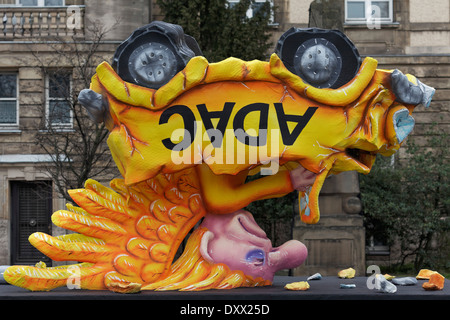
{"x":186,"y":134}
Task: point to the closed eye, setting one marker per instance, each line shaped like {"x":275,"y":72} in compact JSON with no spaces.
{"x":256,"y":257}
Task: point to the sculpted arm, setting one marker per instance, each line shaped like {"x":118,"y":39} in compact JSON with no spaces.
{"x":228,"y":193}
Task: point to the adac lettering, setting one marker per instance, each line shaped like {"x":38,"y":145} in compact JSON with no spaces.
{"x":224,"y":117}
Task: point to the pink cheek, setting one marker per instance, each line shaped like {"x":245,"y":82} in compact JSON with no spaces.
{"x":225,"y":252}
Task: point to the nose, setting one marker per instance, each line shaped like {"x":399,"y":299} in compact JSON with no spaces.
{"x":289,"y":255}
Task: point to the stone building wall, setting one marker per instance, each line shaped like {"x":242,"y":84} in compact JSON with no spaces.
{"x":26,"y":30}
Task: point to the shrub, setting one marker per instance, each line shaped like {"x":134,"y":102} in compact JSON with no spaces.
{"x":408,"y":203}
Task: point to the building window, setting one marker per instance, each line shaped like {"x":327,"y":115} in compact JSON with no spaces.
{"x":59,"y":99}
{"x":40,"y":3}
{"x":9,"y":114}
{"x":367,"y":11}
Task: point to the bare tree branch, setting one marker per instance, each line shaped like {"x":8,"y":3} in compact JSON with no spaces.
{"x":78,"y":148}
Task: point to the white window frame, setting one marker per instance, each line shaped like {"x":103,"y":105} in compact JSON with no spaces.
{"x":56,"y":125}
{"x":16,"y":124}
{"x":41,"y":3}
{"x":250,"y":10}
{"x":368,"y":19}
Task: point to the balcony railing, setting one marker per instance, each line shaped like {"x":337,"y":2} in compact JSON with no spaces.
{"x":29,"y":22}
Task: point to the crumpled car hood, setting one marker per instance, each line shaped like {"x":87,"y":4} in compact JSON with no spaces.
{"x":285,"y":121}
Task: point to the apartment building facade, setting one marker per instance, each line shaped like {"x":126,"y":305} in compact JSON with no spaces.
{"x":30,"y":100}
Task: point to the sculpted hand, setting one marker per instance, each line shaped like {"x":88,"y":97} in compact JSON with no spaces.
{"x":301,"y":178}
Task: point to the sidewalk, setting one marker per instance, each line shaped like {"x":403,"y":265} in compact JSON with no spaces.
{"x":327,"y":288}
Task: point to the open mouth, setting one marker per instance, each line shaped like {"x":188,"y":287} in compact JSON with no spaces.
{"x":364,"y":158}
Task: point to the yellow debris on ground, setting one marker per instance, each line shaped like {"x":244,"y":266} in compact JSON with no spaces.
{"x":347,"y":273}
{"x":436,"y":282}
{"x":424,"y":274}
{"x":297,"y":286}
{"x":388,"y":277}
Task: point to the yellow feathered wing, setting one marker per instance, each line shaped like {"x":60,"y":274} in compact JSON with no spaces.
{"x":124,"y":237}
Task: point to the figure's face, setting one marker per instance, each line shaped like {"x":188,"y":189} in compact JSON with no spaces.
{"x":237,"y":241}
